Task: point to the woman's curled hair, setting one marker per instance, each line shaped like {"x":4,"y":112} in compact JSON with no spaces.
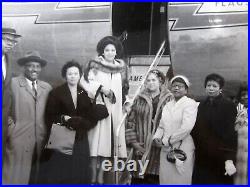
{"x":70,"y":64}
{"x":215,"y":77}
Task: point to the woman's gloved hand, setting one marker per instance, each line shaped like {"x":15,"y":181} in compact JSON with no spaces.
{"x":111,"y":96}
{"x":139,"y":149}
{"x":230,"y":168}
{"x":157,"y":142}
{"x":74,"y":122}
{"x":104,"y":90}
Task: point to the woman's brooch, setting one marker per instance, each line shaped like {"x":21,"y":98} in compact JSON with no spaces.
{"x":80,"y":92}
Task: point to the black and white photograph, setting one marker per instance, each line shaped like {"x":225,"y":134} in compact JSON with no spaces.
{"x":125,"y":93}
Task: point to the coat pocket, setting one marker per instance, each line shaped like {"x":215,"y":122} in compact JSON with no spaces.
{"x":11,"y":126}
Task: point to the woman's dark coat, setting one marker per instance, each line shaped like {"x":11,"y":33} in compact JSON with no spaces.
{"x":58,"y":168}
{"x":215,"y":141}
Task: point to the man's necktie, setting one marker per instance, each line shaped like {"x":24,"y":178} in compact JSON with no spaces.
{"x":34,"y":88}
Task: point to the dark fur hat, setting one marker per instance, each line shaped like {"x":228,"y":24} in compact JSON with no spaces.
{"x":110,"y":40}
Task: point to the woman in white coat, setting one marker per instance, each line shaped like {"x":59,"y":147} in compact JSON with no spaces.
{"x":178,"y":119}
{"x":107,"y":73}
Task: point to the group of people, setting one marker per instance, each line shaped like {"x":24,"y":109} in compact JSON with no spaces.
{"x":35,"y":107}
{"x":161,"y":121}
{"x":212,"y":134}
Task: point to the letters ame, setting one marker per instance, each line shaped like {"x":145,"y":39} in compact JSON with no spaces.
{"x":135,"y":78}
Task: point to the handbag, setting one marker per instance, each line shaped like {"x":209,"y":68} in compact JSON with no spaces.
{"x":100,"y":110}
{"x":61,"y":139}
{"x":175,"y":153}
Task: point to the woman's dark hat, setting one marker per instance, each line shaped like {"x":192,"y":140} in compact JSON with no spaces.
{"x":110,"y":40}
{"x":31,"y":56}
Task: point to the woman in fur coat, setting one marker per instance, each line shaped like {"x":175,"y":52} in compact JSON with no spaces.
{"x":142,"y":123}
{"x":109,"y":74}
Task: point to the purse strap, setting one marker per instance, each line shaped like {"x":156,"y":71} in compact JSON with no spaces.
{"x":97,"y":93}
{"x":171,"y":145}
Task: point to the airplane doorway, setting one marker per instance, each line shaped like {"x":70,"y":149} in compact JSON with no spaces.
{"x":145,"y":23}
{"x":147,"y":27}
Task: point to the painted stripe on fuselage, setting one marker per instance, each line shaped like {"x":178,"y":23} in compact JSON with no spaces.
{"x":52,"y":12}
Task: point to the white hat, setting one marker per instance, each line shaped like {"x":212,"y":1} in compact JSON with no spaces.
{"x":185,"y":79}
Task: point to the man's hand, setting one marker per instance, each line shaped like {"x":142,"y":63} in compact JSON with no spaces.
{"x":10,"y":121}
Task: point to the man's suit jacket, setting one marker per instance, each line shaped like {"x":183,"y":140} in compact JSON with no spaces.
{"x":6,"y":99}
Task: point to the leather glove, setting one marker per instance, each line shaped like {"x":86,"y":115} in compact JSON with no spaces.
{"x":111,"y":96}
{"x":74,"y":122}
{"x":230,"y":168}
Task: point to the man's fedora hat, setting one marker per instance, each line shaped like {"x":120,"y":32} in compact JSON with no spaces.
{"x":7,"y":28}
{"x":32,"y":56}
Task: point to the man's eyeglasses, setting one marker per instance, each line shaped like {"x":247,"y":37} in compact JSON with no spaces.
{"x":8,"y":40}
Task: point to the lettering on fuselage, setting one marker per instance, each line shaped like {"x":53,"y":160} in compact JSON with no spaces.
{"x":191,"y":16}
{"x":230,"y":4}
{"x":135,"y":78}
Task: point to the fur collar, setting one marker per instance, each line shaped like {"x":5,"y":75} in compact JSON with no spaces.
{"x":104,"y":66}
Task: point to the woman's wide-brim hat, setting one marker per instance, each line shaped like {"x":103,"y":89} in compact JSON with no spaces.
{"x":31,"y":56}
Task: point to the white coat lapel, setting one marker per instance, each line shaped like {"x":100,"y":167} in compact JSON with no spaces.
{"x":180,"y":103}
{"x":173,"y":106}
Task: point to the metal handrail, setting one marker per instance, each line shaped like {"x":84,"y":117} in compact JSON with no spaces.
{"x":116,"y":137}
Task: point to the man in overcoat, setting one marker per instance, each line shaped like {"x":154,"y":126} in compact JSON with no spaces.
{"x":27,"y":130}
